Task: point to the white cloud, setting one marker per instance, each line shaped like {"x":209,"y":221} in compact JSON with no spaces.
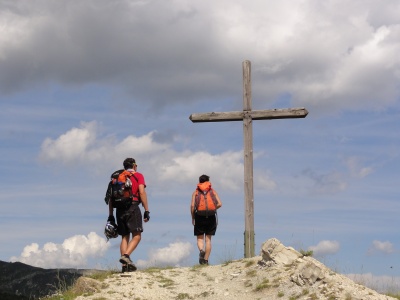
{"x":325,"y":247}
{"x":173,"y":255}
{"x":72,"y":253}
{"x":192,"y":164}
{"x":72,"y":146}
{"x":82,"y":147}
{"x":384,"y":247}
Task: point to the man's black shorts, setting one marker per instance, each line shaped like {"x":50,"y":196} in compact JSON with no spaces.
{"x":203,"y":225}
{"x":129,"y":220}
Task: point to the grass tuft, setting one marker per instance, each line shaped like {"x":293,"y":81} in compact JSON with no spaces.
{"x":263,"y":285}
{"x":306,"y":252}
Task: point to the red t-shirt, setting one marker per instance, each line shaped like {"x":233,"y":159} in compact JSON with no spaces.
{"x":136,"y":183}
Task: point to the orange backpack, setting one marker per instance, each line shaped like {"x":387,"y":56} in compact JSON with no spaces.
{"x":205,"y":203}
{"x":125,"y":184}
{"x":119,"y":190}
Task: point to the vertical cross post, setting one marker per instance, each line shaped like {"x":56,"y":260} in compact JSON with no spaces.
{"x":247,"y":116}
{"x":249,"y":242}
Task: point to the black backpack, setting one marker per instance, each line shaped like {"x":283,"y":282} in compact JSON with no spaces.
{"x":116,"y":190}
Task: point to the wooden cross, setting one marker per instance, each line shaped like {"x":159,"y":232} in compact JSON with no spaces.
{"x":247,"y":116}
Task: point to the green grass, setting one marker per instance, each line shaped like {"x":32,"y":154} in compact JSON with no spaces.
{"x":306,"y":252}
{"x":66,"y":295}
{"x":156,"y":270}
{"x":66,"y":292}
{"x":251,"y":273}
{"x":101,"y":276}
{"x":165,"y":282}
{"x":182,"y":296}
{"x":227,"y":263}
{"x":249,"y":263}
{"x":263,"y":285}
{"x":397,"y":296}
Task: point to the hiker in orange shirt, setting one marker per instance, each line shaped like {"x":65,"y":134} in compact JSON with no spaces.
{"x":203,"y":208}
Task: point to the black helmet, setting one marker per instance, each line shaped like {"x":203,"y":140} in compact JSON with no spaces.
{"x":110,"y":231}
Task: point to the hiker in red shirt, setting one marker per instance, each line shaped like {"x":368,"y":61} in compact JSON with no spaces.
{"x":203,"y":208}
{"x":129,"y":217}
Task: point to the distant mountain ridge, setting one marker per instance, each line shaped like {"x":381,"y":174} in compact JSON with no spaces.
{"x":19,"y":281}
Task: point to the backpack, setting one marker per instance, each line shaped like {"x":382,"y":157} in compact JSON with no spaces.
{"x":119,"y":190}
{"x":205,"y":203}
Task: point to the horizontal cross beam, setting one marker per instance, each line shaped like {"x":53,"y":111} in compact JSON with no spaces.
{"x":269,"y":114}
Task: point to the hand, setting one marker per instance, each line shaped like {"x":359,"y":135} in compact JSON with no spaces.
{"x":193,"y":222}
{"x":146,"y":216}
{"x":111,"y":219}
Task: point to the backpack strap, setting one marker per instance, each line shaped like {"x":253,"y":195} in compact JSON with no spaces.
{"x":199,"y":192}
{"x":214,"y":199}
{"x":137,"y":180}
{"x":133,"y":175}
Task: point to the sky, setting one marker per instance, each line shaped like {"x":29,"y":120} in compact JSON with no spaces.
{"x":86,"y":84}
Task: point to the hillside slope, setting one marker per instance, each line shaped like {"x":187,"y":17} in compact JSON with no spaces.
{"x":21,"y":281}
{"x":279,"y":273}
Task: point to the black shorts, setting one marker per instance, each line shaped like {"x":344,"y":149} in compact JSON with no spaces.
{"x":203,"y":225}
{"x":129,"y":220}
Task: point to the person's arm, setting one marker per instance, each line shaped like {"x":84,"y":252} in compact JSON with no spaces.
{"x":111,"y":218}
{"x":192,"y":207}
{"x":219,"y":203}
{"x":143,"y":198}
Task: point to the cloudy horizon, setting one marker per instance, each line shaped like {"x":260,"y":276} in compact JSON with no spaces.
{"x":85,"y":85}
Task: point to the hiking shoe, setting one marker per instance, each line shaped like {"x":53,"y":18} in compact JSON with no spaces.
{"x":201,"y":256}
{"x":131,"y":268}
{"x":202,"y":261}
{"x":125,"y":259}
{"x":128,"y":268}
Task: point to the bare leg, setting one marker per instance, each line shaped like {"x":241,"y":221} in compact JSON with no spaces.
{"x":200,"y":242}
{"x":124,"y":244}
{"x":127,"y":247}
{"x":208,"y":247}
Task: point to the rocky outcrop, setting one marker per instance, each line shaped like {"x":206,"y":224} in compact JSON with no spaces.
{"x":307,"y":272}
{"x":274,"y":251}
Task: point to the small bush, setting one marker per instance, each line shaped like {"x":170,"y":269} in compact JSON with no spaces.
{"x":306,"y":252}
